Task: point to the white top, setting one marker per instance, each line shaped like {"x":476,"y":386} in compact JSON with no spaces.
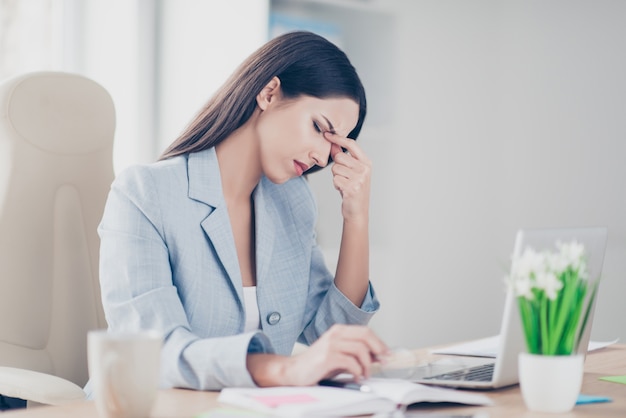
{"x":253,"y":318}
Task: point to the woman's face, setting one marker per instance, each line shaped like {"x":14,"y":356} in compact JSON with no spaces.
{"x":291,"y":133}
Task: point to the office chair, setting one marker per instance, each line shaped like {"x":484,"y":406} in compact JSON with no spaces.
{"x":56,"y":143}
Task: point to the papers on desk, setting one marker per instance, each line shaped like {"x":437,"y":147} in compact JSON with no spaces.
{"x":484,"y":347}
{"x":615,"y":379}
{"x":488,"y":347}
{"x":382,"y":396}
{"x":228,"y":412}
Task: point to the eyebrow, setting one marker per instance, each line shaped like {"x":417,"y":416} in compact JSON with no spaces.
{"x":330,"y":125}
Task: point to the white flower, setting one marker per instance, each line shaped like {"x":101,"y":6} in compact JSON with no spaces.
{"x":572,"y":253}
{"x":557,"y":263}
{"x":543,"y":270}
{"x":523,"y":286}
{"x":549,"y":283}
{"x":527,"y":264}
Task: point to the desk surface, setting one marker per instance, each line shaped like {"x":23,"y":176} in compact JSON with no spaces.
{"x":507,"y":402}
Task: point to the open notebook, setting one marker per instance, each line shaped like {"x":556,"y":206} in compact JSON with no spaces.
{"x":377,"y":396}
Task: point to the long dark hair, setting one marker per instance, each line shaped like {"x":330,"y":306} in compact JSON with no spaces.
{"x":305,"y":63}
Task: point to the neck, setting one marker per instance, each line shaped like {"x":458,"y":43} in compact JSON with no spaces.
{"x":240,"y":166}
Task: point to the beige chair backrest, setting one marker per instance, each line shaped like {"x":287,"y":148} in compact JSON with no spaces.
{"x":56,"y":143}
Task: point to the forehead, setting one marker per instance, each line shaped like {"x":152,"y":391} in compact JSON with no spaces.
{"x":341,"y":112}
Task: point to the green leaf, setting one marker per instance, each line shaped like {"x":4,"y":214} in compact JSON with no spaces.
{"x":543,"y":326}
{"x":568,"y":301}
{"x":590,"y":303}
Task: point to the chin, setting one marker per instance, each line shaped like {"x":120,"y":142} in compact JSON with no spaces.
{"x":282,"y":181}
{"x":278,"y":176}
{"x":278,"y":180}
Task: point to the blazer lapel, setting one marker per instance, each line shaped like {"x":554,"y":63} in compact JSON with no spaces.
{"x":265,"y":215}
{"x":205,"y":185}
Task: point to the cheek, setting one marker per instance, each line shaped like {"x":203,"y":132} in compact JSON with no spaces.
{"x":269,"y":137}
{"x":286,"y":133}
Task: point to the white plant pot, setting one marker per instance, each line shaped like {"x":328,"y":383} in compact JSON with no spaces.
{"x":550,"y":383}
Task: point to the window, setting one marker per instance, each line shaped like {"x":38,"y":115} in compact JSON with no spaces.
{"x":159,"y":59}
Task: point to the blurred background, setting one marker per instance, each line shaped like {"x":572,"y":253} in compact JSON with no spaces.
{"x":485,"y":116}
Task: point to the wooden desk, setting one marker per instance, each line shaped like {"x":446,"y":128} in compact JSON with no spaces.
{"x":508,"y":402}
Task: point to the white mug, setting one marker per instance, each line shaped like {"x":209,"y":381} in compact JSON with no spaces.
{"x":124,"y":371}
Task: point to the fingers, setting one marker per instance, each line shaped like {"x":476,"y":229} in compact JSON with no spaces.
{"x":339,"y":363}
{"x":351,"y":171}
{"x":354,"y":358}
{"x":354,"y":159}
{"x":342,"y":349}
{"x":347,"y":143}
{"x":335,"y":150}
{"x":358,"y":346}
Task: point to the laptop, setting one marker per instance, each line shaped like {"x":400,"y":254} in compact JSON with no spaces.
{"x":490,"y":373}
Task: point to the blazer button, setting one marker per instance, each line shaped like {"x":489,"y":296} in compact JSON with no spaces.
{"x":273,"y":318}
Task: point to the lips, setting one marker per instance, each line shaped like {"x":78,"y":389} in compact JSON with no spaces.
{"x":300,"y":167}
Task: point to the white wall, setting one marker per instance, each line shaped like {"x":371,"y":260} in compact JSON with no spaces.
{"x":160,"y":60}
{"x":201,"y":43}
{"x":508,"y":115}
{"x":104,"y":43}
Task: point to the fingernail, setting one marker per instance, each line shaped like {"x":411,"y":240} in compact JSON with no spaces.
{"x":381,"y":358}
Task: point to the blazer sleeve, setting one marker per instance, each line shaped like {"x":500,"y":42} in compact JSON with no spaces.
{"x":326,"y":305}
{"x":138,"y":292}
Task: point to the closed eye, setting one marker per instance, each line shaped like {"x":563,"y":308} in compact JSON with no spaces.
{"x":317,"y":127}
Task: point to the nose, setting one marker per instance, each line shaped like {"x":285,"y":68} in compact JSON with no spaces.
{"x":321,"y":154}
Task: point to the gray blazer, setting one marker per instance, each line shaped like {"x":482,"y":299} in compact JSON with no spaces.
{"x":168,"y":262}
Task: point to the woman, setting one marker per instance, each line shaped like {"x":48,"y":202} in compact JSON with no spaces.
{"x":214,"y":244}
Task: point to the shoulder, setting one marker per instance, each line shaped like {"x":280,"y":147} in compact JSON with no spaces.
{"x":146,"y":191}
{"x":164,"y":168}
{"x":141,"y":179}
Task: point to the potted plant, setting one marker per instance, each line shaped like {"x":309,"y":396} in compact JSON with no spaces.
{"x":555,"y":296}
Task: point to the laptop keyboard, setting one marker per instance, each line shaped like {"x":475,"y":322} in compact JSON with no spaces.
{"x":482,"y":373}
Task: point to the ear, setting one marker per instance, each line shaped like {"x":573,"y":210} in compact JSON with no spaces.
{"x":269,"y":93}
